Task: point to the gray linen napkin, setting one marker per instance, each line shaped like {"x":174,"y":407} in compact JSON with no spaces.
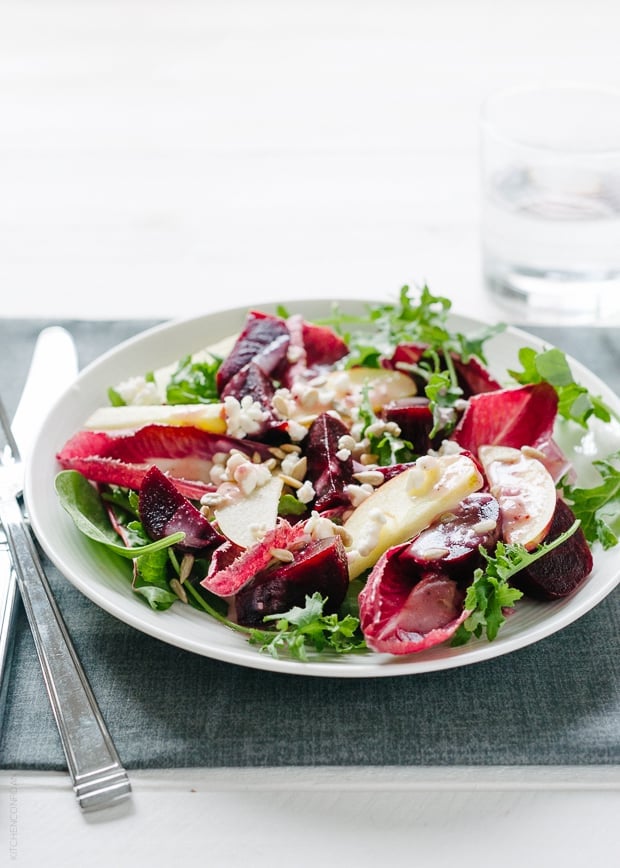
{"x":555,"y":702}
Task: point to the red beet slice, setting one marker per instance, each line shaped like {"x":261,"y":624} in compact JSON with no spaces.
{"x":320,"y":566}
{"x":328,"y":473}
{"x":415,"y":420}
{"x":562,"y":570}
{"x":452,"y":543}
{"x":404,"y":609}
{"x":253,"y":381}
{"x":264,"y":341}
{"x":164,"y":510}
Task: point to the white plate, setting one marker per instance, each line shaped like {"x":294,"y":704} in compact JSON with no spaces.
{"x":97,"y":574}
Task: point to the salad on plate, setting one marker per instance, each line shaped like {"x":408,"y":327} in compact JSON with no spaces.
{"x":352,"y":485}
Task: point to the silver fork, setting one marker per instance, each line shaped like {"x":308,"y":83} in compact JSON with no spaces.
{"x":98,"y":776}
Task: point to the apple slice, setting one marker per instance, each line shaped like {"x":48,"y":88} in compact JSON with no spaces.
{"x":208,"y":417}
{"x":383,"y":384}
{"x":406,"y":504}
{"x":239,"y":520}
{"x":525,"y":491}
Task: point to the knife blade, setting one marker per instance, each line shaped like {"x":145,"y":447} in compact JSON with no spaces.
{"x":53,"y":368}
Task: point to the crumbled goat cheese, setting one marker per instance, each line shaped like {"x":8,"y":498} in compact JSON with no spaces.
{"x":319,"y":527}
{"x":306,"y":493}
{"x":376,"y":429}
{"x":296,"y":431}
{"x":244,"y":472}
{"x":369,"y":540}
{"x":358,"y":493}
{"x":448,"y":447}
{"x":289,"y":463}
{"x":139,"y":391}
{"x":283,"y":403}
{"x":249,"y":476}
{"x":347,"y":442}
{"x":243,"y":417}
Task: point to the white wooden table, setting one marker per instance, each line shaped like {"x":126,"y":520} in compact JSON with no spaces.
{"x":161,"y":159}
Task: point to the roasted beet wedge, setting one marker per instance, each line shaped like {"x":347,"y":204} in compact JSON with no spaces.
{"x":562,"y":570}
{"x":320,"y":566}
{"x":415,"y":420}
{"x":264,"y":341}
{"x":253,"y":381}
{"x":405,"y":609}
{"x":328,"y":473}
{"x":183,"y":452}
{"x":164,"y":510}
{"x":452,"y":543}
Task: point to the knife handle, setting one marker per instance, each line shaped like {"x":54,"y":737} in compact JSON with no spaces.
{"x":98,"y":777}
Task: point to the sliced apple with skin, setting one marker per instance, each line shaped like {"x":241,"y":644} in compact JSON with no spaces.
{"x":406,"y":504}
{"x":240,"y":520}
{"x":525,"y":491}
{"x":209,"y":417}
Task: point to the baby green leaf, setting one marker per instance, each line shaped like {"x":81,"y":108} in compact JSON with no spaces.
{"x":82,"y":502}
{"x":598,"y":507}
{"x":574,"y":401}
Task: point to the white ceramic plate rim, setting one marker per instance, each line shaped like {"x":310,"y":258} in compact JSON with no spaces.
{"x":98,"y":576}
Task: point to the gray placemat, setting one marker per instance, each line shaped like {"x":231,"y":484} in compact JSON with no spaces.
{"x":555,"y":702}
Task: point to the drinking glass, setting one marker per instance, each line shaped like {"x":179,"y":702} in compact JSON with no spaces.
{"x":550,"y":168}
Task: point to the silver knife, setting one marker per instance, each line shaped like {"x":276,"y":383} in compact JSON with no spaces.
{"x":99,"y":778}
{"x":53,"y":368}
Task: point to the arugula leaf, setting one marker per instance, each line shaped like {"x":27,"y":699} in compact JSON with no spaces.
{"x":194,"y":382}
{"x":598,"y":507}
{"x":445,"y":399}
{"x":421,"y":320}
{"x":300,"y":627}
{"x":296,"y":629}
{"x":83,"y":503}
{"x":386,"y":325}
{"x":490,"y":592}
{"x":574,"y":401}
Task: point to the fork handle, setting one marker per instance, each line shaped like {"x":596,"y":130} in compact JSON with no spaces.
{"x":98,"y":777}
